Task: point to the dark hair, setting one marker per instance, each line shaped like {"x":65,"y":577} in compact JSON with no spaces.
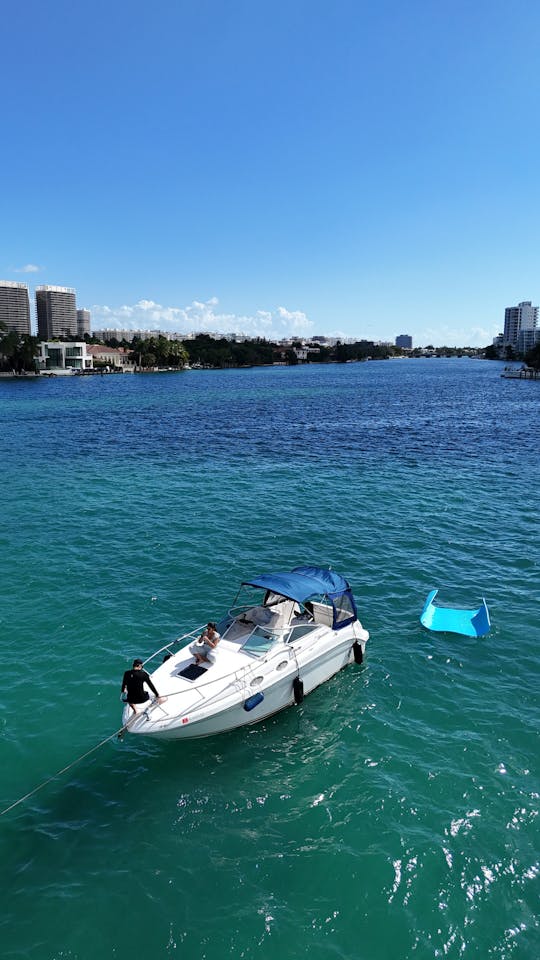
{"x":137,"y":662}
{"x":212,"y":625}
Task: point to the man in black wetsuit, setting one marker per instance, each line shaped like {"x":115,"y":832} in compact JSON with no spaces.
{"x":133,"y":685}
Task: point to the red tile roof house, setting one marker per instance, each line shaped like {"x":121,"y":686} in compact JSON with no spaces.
{"x":117,"y":357}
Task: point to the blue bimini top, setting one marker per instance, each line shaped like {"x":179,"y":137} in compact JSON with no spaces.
{"x":304,"y":583}
{"x":301,"y":583}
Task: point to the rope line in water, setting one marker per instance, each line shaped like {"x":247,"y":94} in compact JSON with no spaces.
{"x":59,"y":773}
{"x":119,"y":732}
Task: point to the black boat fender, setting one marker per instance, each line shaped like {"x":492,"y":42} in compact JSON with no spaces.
{"x":357,"y":651}
{"x":298,"y":690}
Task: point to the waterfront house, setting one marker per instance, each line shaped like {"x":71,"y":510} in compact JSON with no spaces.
{"x":117,"y":358}
{"x":62,"y":358}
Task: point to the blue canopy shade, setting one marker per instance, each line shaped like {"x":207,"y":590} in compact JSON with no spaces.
{"x":301,"y":583}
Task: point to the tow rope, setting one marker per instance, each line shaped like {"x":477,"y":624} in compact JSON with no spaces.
{"x":117,"y":733}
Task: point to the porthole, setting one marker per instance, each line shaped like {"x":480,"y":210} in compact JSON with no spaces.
{"x":256,"y":682}
{"x":282,"y":665}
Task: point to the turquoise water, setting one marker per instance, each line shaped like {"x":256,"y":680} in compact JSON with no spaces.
{"x":392,"y":814}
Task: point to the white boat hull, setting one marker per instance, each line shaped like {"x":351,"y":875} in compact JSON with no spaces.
{"x":313,"y":660}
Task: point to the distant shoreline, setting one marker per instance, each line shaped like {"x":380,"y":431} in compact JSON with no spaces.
{"x":64,"y":374}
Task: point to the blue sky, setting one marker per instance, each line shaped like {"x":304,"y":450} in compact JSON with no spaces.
{"x":354,"y":168}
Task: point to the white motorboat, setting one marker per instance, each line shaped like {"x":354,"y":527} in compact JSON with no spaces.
{"x":301,"y":630}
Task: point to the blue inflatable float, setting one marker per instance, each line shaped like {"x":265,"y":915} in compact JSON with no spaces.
{"x":469,"y":623}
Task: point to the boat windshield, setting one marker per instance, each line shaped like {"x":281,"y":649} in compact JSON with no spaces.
{"x":259,"y":642}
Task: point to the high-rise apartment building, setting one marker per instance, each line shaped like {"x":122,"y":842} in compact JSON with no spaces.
{"x":83,"y":323}
{"x":56,"y":312}
{"x":516,"y":319}
{"x":404,"y":341}
{"x":14,"y":306}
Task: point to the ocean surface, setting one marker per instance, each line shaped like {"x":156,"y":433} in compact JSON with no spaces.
{"x":394,"y":814}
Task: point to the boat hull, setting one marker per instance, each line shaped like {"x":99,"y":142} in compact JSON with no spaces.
{"x":230,"y":713}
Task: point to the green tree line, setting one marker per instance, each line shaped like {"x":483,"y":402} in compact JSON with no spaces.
{"x":208,"y":351}
{"x":18,"y":351}
{"x":532,"y":358}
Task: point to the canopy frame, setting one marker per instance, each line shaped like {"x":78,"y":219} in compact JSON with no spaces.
{"x":307,"y":583}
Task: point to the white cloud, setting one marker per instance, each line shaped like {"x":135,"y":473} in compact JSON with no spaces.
{"x":28,"y":268}
{"x":202,"y":317}
{"x":296,"y":319}
{"x":459,"y":336}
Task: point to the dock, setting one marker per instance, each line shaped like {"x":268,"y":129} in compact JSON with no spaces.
{"x":521,"y":373}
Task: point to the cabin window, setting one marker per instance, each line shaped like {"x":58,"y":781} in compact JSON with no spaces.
{"x":300,"y":631}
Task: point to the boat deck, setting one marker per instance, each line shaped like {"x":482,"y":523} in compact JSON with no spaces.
{"x":236,"y":655}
